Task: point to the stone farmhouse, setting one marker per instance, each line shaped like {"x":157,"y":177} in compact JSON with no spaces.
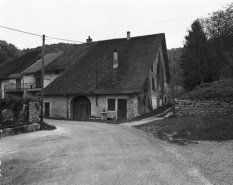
{"x":22,"y":77}
{"x":126,"y":77}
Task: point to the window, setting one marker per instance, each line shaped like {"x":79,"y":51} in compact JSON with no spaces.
{"x":153,"y":83}
{"x":158,"y":71}
{"x":18,"y":84}
{"x":111,"y":104}
{"x":152,"y":68}
{"x":57,"y":72}
{"x":38,"y":82}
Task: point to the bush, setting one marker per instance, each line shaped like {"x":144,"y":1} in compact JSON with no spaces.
{"x":14,"y":103}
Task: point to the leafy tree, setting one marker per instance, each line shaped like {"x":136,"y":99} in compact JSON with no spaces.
{"x":219,"y":29}
{"x":175,"y":67}
{"x":8,"y":52}
{"x":197,"y":62}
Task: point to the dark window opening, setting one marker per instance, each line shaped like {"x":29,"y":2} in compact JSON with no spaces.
{"x":38,"y":83}
{"x":57,"y":72}
{"x":111,"y":104}
{"x":18,"y":84}
{"x":153,"y":84}
{"x":158,"y":71}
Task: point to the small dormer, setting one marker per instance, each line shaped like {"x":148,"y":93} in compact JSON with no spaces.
{"x":115,"y":59}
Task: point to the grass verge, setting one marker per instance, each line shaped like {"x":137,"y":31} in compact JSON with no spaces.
{"x":184,"y":130}
{"x":155,"y":112}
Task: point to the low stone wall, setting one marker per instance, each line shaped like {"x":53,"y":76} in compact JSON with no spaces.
{"x":20,"y":129}
{"x":203,"y":107}
{"x":34,"y":111}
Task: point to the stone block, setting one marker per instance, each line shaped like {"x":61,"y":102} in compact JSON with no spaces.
{"x":36,"y":126}
{"x":29,"y":128}
{"x":7,"y":132}
{"x":23,"y":129}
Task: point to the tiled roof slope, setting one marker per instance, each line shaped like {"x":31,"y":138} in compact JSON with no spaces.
{"x":71,"y":53}
{"x":18,"y":65}
{"x":135,"y":57}
{"x":50,"y":57}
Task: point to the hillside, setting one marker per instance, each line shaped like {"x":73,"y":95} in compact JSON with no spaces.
{"x":8,"y":52}
{"x":221,"y":90}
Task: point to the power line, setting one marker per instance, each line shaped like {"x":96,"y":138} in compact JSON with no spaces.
{"x":21,"y":31}
{"x":65,"y":40}
{"x":39,"y":35}
{"x":170,"y":20}
{"x":92,"y":30}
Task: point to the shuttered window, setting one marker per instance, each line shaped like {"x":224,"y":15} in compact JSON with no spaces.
{"x":111,"y":104}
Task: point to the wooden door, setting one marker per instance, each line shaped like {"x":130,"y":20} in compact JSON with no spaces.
{"x":122,"y":109}
{"x":47,"y":109}
{"x":81,"y":108}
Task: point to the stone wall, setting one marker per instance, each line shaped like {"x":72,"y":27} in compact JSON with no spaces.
{"x":58,"y":106}
{"x":34,"y":111}
{"x":61,"y":106}
{"x":205,"y":107}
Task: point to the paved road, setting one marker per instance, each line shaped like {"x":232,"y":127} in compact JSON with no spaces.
{"x":86,"y":153}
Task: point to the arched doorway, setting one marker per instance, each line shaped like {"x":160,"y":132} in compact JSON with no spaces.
{"x":81,"y":108}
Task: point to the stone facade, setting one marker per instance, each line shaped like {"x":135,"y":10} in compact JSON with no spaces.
{"x":58,"y":106}
{"x":206,"y":107}
{"x":34,"y":111}
{"x":62,"y":106}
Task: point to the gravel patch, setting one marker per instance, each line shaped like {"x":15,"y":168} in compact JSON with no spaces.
{"x":212,"y":159}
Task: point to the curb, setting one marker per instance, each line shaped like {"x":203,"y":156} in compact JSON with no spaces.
{"x":18,"y":130}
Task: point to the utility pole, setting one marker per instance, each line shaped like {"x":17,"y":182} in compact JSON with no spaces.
{"x":173,"y":89}
{"x":42,"y":81}
{"x":96,"y":82}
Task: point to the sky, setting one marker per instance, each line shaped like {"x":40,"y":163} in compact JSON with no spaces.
{"x":100,"y":19}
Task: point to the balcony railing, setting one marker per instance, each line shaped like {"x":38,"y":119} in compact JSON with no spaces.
{"x":22,"y":86}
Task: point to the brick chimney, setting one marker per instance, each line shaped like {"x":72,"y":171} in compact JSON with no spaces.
{"x":115,"y":59}
{"x":128,"y":35}
{"x":89,"y":40}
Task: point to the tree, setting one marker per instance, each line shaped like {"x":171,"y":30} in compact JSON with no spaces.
{"x":176,"y":54}
{"x":8,"y":52}
{"x":219,"y":29}
{"x":197,"y":62}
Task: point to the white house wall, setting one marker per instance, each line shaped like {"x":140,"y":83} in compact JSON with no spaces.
{"x":49,"y":77}
{"x":4,"y":82}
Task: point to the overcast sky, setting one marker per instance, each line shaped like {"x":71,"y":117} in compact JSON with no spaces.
{"x":100,"y":19}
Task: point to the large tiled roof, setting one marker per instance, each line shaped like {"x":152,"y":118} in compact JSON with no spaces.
{"x":19,"y":65}
{"x":135,"y":57}
{"x":48,"y":58}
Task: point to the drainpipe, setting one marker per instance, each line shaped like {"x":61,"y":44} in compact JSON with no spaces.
{"x":67,"y":106}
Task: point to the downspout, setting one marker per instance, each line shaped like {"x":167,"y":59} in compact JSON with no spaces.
{"x":67,"y":106}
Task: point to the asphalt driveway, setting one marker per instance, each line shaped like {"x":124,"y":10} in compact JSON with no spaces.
{"x":93,"y":153}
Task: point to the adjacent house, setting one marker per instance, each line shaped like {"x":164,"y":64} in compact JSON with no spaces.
{"x":126,"y":77}
{"x":13,"y":69}
{"x":22,"y":77}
